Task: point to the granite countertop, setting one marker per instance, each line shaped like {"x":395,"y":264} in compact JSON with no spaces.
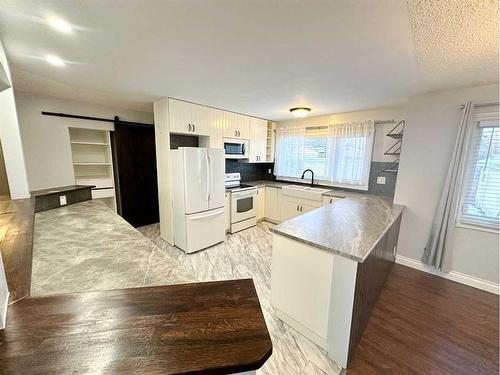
{"x":58,"y":190}
{"x":333,"y":192}
{"x":276,"y":184}
{"x":350,"y":227}
{"x":87,"y":246}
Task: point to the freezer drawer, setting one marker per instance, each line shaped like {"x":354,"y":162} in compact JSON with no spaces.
{"x":204,"y":229}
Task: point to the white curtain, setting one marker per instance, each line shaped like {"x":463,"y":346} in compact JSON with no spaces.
{"x":289,"y":160}
{"x":339,"y":154}
{"x":350,"y":151}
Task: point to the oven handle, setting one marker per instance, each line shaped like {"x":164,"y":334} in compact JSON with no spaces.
{"x":244,"y":194}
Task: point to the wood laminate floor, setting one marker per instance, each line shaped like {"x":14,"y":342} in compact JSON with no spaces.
{"x":424,"y":324}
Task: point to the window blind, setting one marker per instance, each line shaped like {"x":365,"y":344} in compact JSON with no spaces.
{"x":481,"y":194}
{"x":315,"y":152}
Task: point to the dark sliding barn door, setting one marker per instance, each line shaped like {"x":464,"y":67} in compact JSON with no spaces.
{"x":134,"y":159}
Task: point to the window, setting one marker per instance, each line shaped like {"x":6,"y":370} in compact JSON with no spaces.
{"x":339,"y":154}
{"x":481,"y":190}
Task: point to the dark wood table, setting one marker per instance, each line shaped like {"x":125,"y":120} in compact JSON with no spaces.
{"x":200,"y":328}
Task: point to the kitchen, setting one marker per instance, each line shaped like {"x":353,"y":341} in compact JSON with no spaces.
{"x":265,"y":211}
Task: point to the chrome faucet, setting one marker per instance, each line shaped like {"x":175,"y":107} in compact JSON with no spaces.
{"x":312,"y":176}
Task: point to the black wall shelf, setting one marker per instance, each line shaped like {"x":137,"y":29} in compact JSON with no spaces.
{"x":395,"y":150}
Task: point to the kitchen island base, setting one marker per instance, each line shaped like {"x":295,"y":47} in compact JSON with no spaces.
{"x":328,"y":296}
{"x":313,"y":292}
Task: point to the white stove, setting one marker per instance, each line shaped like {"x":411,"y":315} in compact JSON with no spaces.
{"x":243,"y":201}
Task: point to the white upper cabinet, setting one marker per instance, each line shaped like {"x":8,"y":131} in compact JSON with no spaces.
{"x":200,"y":119}
{"x":216,"y":130}
{"x":179,"y":114}
{"x":258,"y":137}
{"x":188,"y":118}
{"x":237,"y":126}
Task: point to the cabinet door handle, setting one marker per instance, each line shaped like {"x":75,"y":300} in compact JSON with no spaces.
{"x":194,"y":127}
{"x":239,"y":133}
{"x":300,"y":208}
{"x":235,"y":133}
{"x":297,"y":207}
{"x":189,"y":127}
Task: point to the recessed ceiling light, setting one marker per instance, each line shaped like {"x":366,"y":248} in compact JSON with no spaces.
{"x":300,"y":112}
{"x":60,"y":25}
{"x":54,"y":60}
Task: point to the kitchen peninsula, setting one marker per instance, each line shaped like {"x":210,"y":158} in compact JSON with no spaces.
{"x":329,"y":266}
{"x":103,"y":300}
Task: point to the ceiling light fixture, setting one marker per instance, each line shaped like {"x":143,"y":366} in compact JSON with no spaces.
{"x":60,"y":25}
{"x":300,"y":112}
{"x":54,"y":60}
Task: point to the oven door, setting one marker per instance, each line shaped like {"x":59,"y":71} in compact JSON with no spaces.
{"x":243,"y":205}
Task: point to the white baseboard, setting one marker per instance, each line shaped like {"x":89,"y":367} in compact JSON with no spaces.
{"x":461,"y":278}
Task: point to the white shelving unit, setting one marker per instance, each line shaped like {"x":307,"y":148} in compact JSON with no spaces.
{"x":271,"y":128}
{"x":93,"y":163}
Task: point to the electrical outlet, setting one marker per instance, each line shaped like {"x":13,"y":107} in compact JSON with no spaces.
{"x":269,"y":171}
{"x":381,"y":180}
{"x":62,"y":200}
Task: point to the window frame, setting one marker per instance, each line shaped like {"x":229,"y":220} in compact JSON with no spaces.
{"x":460,"y":221}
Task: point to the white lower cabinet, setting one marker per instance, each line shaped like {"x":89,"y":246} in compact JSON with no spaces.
{"x":272,"y":207}
{"x":227,"y":211}
{"x":329,"y":200}
{"x":292,"y":207}
{"x":261,"y":203}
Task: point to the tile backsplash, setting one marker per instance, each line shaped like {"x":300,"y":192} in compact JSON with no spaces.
{"x":386,"y":189}
{"x":259,"y":171}
{"x":250,"y":171}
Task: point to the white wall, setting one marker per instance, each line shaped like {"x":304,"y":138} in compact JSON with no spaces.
{"x":46,"y":138}
{"x":431,"y":128}
{"x":11,"y":138}
{"x":381,"y":142}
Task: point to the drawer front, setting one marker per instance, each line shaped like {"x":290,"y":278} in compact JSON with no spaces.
{"x":103,"y":193}
{"x":98,"y":183}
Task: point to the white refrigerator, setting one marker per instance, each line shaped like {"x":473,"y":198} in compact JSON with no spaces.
{"x":198,"y":197}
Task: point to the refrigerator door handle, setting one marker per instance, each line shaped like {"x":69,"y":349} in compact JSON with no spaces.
{"x":207,"y":161}
{"x":212,"y":213}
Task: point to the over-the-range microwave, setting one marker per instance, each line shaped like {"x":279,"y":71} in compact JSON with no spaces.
{"x":236,"y":148}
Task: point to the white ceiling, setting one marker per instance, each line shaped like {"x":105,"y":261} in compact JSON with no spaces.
{"x":256,"y":57}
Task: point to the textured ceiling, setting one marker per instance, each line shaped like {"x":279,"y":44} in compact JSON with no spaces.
{"x":456,"y":41}
{"x":257,"y":57}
